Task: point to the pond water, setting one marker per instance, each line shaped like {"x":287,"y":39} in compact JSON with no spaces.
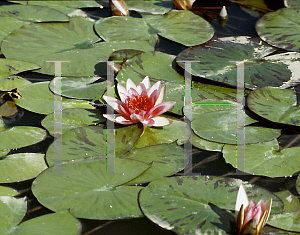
{"x":240,"y":22}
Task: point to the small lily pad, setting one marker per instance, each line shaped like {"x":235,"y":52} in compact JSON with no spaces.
{"x":21,"y":167}
{"x":281,"y":28}
{"x":265,"y":159}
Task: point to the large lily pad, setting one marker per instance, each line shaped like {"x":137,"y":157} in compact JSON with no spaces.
{"x":276,"y":105}
{"x":150,"y":6}
{"x":73,"y":118}
{"x":38,"y":98}
{"x":88,"y":191}
{"x":179,"y":204}
{"x":9,"y":68}
{"x":20,"y":136}
{"x":217,"y":61}
{"x":92,"y":141}
{"x":21,"y":167}
{"x":79,"y":88}
{"x":205,"y":144}
{"x":265,"y":159}
{"x":73,"y":41}
{"x":281,"y":28}
{"x":289,"y":219}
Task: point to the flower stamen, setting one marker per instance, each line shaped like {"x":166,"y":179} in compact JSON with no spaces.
{"x":138,"y":103}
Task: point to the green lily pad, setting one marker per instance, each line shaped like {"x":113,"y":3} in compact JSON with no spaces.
{"x":79,"y":88}
{"x":38,"y":98}
{"x":176,"y":131}
{"x":91,"y":141}
{"x":20,"y":136}
{"x":166,"y":159}
{"x":150,"y":6}
{"x":61,"y":223}
{"x":4,"y":152}
{"x":73,"y":118}
{"x":289,"y":219}
{"x":12,"y":211}
{"x":88,"y":191}
{"x":70,"y":41}
{"x":265,"y":159}
{"x":2,"y":126}
{"x":21,"y":167}
{"x":6,"y":191}
{"x":205,"y":144}
{"x":9,"y":68}
{"x":298,"y":184}
{"x":281,"y":28}
{"x":217,"y":61}
{"x":292,"y":3}
{"x":276,"y":105}
{"x":179,"y":204}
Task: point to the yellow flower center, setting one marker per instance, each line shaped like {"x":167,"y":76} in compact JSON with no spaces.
{"x":138,"y":103}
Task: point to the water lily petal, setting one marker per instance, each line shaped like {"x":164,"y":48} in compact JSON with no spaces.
{"x":161,"y":95}
{"x":242,"y":199}
{"x":159,"y":109}
{"x":146,"y":82}
{"x":249,"y":228}
{"x":141,"y":89}
{"x":249,"y":211}
{"x":156,"y":86}
{"x":161,"y":121}
{"x":122,"y":92}
{"x":130,"y":84}
{"x":122,"y":120}
{"x":132,"y":93}
{"x":117,"y":105}
{"x":268,"y":206}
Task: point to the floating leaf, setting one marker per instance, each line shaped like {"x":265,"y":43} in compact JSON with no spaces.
{"x":61,"y":223}
{"x":265,"y":159}
{"x":6,"y":191}
{"x":280,"y":28}
{"x":150,"y":6}
{"x":205,"y":144}
{"x":91,"y":141}
{"x":38,"y":98}
{"x":179,"y":204}
{"x":21,"y":167}
{"x":276,"y":105}
{"x":79,"y":88}
{"x":88,"y":191}
{"x":73,"y":118}
{"x":21,"y":135}
{"x":292,"y":3}
{"x":289,"y":219}
{"x":73,"y":41}
{"x":298,"y":184}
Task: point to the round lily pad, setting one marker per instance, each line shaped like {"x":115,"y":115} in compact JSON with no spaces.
{"x":38,"y":98}
{"x":276,"y":105}
{"x":6,"y":191}
{"x":289,"y":219}
{"x":205,"y":144}
{"x":218,"y":60}
{"x":88,"y":191}
{"x":74,"y":41}
{"x":21,"y":167}
{"x":150,"y":6}
{"x":292,"y":3}
{"x":61,"y":223}
{"x":79,"y":87}
{"x":179,"y":204}
{"x":280,"y":28}
{"x":265,"y":159}
{"x":73,"y":118}
{"x":20,"y":136}
{"x":92,"y":141}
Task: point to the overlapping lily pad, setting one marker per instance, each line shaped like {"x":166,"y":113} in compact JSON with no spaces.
{"x":179,"y":204}
{"x":9,"y":68}
{"x":38,"y":98}
{"x":88,"y":191}
{"x":20,"y":136}
{"x":276,"y":105}
{"x":281,"y":28}
{"x":205,"y":144}
{"x":73,"y":118}
{"x":79,"y":88}
{"x":289,"y":219}
{"x":265,"y":159}
{"x":21,"y":167}
{"x":292,"y":3}
{"x":73,"y":41}
{"x":150,"y":6}
{"x":6,"y":191}
{"x":92,"y":141}
{"x":298,"y":184}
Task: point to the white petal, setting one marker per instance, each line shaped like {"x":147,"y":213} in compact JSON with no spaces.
{"x":130,"y":84}
{"x":241,"y":199}
{"x":122,"y":92}
{"x":146,"y":82}
{"x":110,"y":117}
{"x":161,"y":95}
{"x":161,"y":121}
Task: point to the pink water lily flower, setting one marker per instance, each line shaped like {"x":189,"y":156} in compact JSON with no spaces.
{"x":254,"y":217}
{"x":141,"y":103}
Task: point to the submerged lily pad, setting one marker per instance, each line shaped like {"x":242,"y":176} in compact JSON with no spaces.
{"x":79,"y":88}
{"x":265,"y":159}
{"x":73,"y":41}
{"x":88,"y":191}
{"x":276,"y":105}
{"x":38,"y":98}
{"x":9,"y":68}
{"x":20,"y":136}
{"x":21,"y":167}
{"x":150,"y":6}
{"x":73,"y":118}
{"x":281,"y":28}
{"x":289,"y":219}
{"x":179,"y":204}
